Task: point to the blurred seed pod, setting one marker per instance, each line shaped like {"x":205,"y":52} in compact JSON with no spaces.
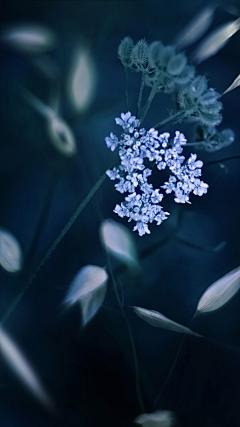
{"x":186,"y":75}
{"x":11,"y":257}
{"x":154,"y":52}
{"x":165,"y":55}
{"x":221,"y":140}
{"x":210,"y":97}
{"x":62,"y":136}
{"x":29,"y":38}
{"x":177,"y":64}
{"x":124,"y":51}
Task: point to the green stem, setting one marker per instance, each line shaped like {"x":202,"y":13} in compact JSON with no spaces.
{"x":137,"y":379}
{"x":176,"y":117}
{"x":126,"y":87}
{"x":50,"y":189}
{"x":54,"y":245}
{"x":140,"y":94}
{"x":170,"y":372}
{"x":173,"y":365}
{"x":227,"y":159}
{"x":149,"y":101}
{"x":193,"y":143}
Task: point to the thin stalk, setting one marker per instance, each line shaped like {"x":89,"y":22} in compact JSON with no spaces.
{"x":176,"y":117}
{"x":193,"y":143}
{"x":149,"y":101}
{"x":170,"y":372}
{"x":126,"y":87}
{"x":140,"y":94}
{"x":50,"y":188}
{"x":56,"y":242}
{"x":137,"y":379}
{"x":227,"y":159}
{"x":173,"y":365}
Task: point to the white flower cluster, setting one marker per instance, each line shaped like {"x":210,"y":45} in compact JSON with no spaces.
{"x":141,"y":203}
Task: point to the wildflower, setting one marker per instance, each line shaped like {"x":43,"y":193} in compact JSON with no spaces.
{"x":111,"y":141}
{"x":138,"y":147}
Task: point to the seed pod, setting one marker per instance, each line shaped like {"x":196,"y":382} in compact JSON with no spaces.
{"x":165,"y":55}
{"x":154,"y":51}
{"x":209,"y":97}
{"x":177,"y":64}
{"x":139,"y":54}
{"x":124,"y":51}
{"x":198,"y":86}
{"x":213,"y":109}
{"x":186,"y":75}
{"x":209,"y":119}
{"x":226,"y":137}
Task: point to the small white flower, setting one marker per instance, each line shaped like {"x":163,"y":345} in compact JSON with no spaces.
{"x":142,"y":228}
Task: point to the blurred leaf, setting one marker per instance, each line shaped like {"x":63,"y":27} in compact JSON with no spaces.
{"x":157,"y":319}
{"x":215,"y":41}
{"x":21,"y":367}
{"x":156,"y":419}
{"x":88,"y":288}
{"x":61,"y":134}
{"x":230,"y":7}
{"x":82,"y":80}
{"x":11,"y":257}
{"x":47,"y":66}
{"x":117,"y":240}
{"x":220,"y":292}
{"x":196,"y":28}
{"x":31,"y":39}
{"x":235,"y":84}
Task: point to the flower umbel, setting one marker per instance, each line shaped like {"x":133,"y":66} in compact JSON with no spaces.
{"x":138,"y":147}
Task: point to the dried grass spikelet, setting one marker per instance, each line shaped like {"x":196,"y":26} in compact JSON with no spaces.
{"x":177,"y":64}
{"x":234,"y":85}
{"x":88,"y":288}
{"x":220,"y":292}
{"x":158,"y":320}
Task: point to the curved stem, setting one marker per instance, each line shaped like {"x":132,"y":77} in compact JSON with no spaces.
{"x":137,"y":379}
{"x":227,"y":159}
{"x":50,"y":189}
{"x":170,"y":372}
{"x":56,"y":242}
{"x":173,"y":365}
{"x":148,"y":103}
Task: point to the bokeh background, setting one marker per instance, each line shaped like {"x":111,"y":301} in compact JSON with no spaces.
{"x":90,"y":372}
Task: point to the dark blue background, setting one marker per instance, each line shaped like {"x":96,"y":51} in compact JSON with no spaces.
{"x":90,"y":372}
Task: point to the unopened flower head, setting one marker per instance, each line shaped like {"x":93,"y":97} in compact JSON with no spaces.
{"x":140,"y":151}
